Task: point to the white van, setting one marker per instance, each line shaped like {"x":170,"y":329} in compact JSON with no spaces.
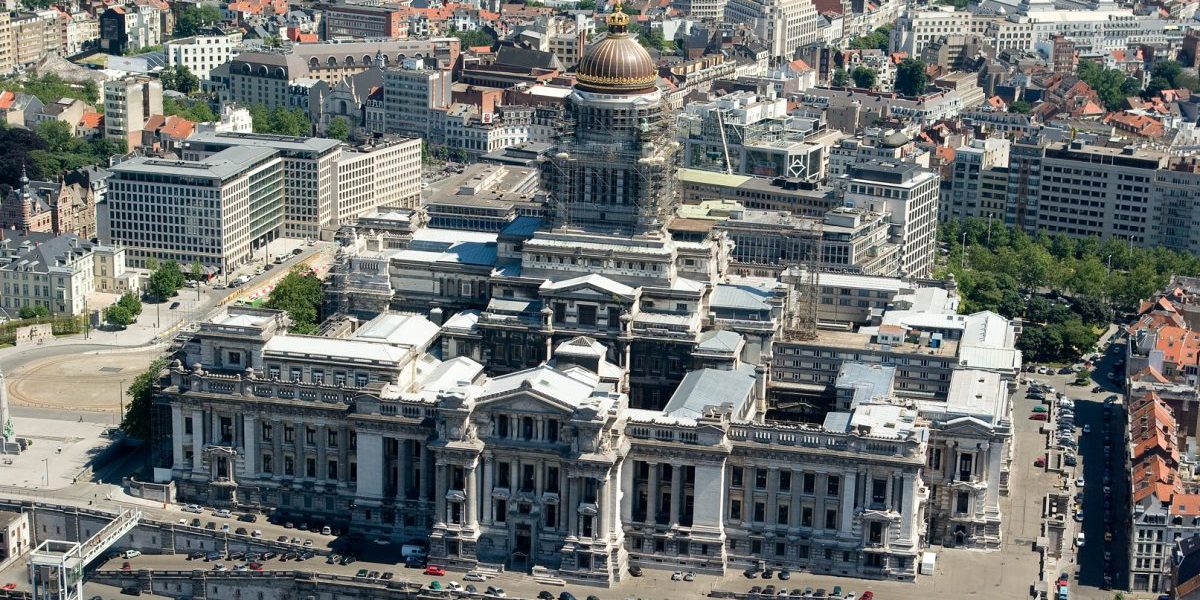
{"x":408,"y":550}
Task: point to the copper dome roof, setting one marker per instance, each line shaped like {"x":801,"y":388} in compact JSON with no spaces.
{"x":616,"y":64}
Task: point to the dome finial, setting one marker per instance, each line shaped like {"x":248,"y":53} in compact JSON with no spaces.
{"x":618,"y":21}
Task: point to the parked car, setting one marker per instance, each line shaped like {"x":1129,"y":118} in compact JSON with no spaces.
{"x":131,"y":553}
{"x":192,"y":508}
{"x":1037,"y":417}
{"x":495,"y":592}
{"x":474,"y":576}
{"x":248,"y":518}
{"x":635,"y":571}
{"x":1079,"y":540}
{"x":1040,"y":461}
{"x":223,"y":513}
{"x":125,"y":566}
{"x":1069,"y":460}
{"x":435,"y":571}
{"x":361,"y":573}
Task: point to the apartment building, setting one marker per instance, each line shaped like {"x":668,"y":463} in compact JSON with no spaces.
{"x":128,"y":103}
{"x":7,"y":51}
{"x":909,"y":195}
{"x":216,"y":209}
{"x":978,"y":186}
{"x":57,"y":272}
{"x":80,"y":31}
{"x":310,"y":175}
{"x":130,"y":27}
{"x":781,"y":25}
{"x":411,"y":95}
{"x":200,"y":54}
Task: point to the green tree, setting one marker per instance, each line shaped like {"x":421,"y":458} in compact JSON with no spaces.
{"x":180,"y":79}
{"x":1020,"y":107}
{"x":1111,"y":85}
{"x":166,"y":280}
{"x":841,"y":78}
{"x":130,"y":302}
{"x":299,"y":294}
{"x":57,"y":135}
{"x":864,"y":77}
{"x":474,"y":37}
{"x":194,"y":18}
{"x":197,"y":111}
{"x":136,"y":420}
{"x":338,"y":129}
{"x":911,"y":79}
{"x":91,"y":93}
{"x":197,"y":270}
{"x":118,"y":315}
{"x":33,"y":312}
{"x":586,"y":5}
{"x":879,"y":39}
{"x":281,"y":121}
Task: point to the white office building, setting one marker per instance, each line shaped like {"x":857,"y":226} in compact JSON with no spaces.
{"x":909,"y":195}
{"x":200,"y":54}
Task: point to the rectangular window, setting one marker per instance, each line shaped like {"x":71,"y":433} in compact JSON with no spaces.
{"x":806,"y":516}
{"x":502,"y":426}
{"x":310,"y":467}
{"x":735,"y":510}
{"x":503,"y":474}
{"x":834,"y":485}
{"x":266,"y":432}
{"x":810,"y":483}
{"x":310,"y":436}
{"x":735,"y":477}
{"x":760,"y":512}
{"x":587,"y":315}
{"x":831,"y":518}
{"x":333,"y":470}
{"x":878,"y":491}
{"x":785,"y":481}
{"x":760,"y":479}
{"x":332,"y":440}
{"x":781,"y":514}
{"x":501,"y":511}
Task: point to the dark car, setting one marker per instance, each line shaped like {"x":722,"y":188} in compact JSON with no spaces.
{"x":635,"y":570}
{"x":768,"y":573}
{"x":307,"y":554}
{"x":237,"y":556}
{"x":269,"y":554}
{"x":195,"y":522}
{"x":414,"y":562}
{"x":566,"y":596}
{"x":750,"y":573}
{"x":387,"y":576}
{"x":346,"y":560}
{"x":545,"y":595}
{"x":248,"y":518}
{"x":195,"y":555}
{"x":211,"y":526}
{"x":173,"y":306}
{"x":211,"y":556}
{"x":333,"y":559}
{"x":240,"y":531}
{"x":298,"y":251}
{"x":757,"y":589}
{"x":131,"y":591}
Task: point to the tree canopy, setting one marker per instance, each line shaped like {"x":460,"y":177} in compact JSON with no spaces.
{"x":1061,"y":284}
{"x":180,"y":79}
{"x":49,"y":87}
{"x":911,"y":79}
{"x":841,"y":78}
{"x":280,"y":121}
{"x":299,"y":293}
{"x":338,"y":129}
{"x":166,"y":280}
{"x":198,"y":111}
{"x":1020,"y":106}
{"x":196,"y":17}
{"x":1111,"y":85}
{"x":136,"y":420}
{"x":864,"y":77}
{"x":474,"y":37}
{"x":49,"y":151}
{"x":33,"y":312}
{"x":879,"y":39}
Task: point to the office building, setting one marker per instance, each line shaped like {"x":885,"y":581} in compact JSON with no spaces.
{"x":781,"y":25}
{"x":909,"y":195}
{"x":384,"y":174}
{"x":216,"y":210}
{"x":978,"y":183}
{"x":411,"y":95}
{"x":362,"y":20}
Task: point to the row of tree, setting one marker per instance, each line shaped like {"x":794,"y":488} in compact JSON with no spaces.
{"x":299,"y":293}
{"x":911,"y":77}
{"x":1070,"y":287}
{"x":280,"y":120}
{"x":49,"y":151}
{"x":124,"y":311}
{"x":49,"y":88}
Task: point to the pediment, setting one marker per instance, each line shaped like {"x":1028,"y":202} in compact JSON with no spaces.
{"x":525,"y":401}
{"x":967,"y":426}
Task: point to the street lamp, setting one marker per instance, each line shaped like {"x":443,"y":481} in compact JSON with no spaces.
{"x":46,"y":461}
{"x":963,"y":258}
{"x":989,"y":234}
{"x":1110,"y":263}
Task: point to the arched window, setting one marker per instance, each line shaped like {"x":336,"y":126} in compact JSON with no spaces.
{"x":349,"y":61}
{"x":367,"y":60}
{"x":313,"y":62}
{"x":332,"y":62}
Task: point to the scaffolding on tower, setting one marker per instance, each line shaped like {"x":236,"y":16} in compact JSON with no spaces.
{"x":805,"y":280}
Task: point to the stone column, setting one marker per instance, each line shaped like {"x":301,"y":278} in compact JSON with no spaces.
{"x":472,"y":516}
{"x":277,"y":447}
{"x":176,"y":435}
{"x":907,"y":508}
{"x":250,"y":445}
{"x":652,"y":494}
{"x":772,"y":494}
{"x":440,"y":492}
{"x":627,"y":491}
{"x":322,"y":463}
{"x":995,"y":450}
{"x":603,"y":507}
{"x":485,"y":491}
{"x":370,"y":466}
{"x":406,"y":467}
{"x":847,"y":512}
{"x":676,"y":492}
{"x":198,"y":426}
{"x":572,"y":505}
{"x":747,"y":494}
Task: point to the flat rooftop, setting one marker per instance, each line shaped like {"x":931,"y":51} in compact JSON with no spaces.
{"x":264,"y":140}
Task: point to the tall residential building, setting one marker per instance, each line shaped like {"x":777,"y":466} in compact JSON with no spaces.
{"x":128,"y":103}
{"x":7,"y":57}
{"x":216,"y":210}
{"x":909,"y":195}
{"x":80,"y":32}
{"x":1177,"y":197}
{"x":614,"y":170}
{"x":310,"y":175}
{"x":782,"y":25}
{"x":29,"y":37}
{"x":130,"y":27}
{"x":978,"y":186}
{"x":410,"y":96}
{"x":200,"y":54}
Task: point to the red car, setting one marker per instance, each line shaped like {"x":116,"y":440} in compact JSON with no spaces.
{"x":125,"y":566}
{"x":1040,"y":461}
{"x":255,"y":566}
{"x":8,"y":586}
{"x":868,"y":595}
{"x":1037,"y":417}
{"x":435,"y":571}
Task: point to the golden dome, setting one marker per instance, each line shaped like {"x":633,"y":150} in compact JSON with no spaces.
{"x":616,"y":64}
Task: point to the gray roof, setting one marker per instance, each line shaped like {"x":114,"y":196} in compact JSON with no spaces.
{"x":719,"y":340}
{"x":739,"y":297}
{"x":41,"y":256}
{"x":223,"y":165}
{"x":866,"y":379}
{"x":264,"y":140}
{"x":706,"y":388}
